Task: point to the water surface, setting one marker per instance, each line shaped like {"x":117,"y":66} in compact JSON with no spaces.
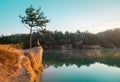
{"x":81,"y":66}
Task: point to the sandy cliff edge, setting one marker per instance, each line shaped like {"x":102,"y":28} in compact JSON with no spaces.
{"x":20,"y":65}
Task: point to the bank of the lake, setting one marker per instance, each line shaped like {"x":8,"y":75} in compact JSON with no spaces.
{"x":17,"y":65}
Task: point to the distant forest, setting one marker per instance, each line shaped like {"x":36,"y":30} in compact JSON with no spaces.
{"x":58,"y":39}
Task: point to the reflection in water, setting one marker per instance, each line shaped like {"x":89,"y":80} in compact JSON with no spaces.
{"x":81,"y":57}
{"x":94,"y":73}
{"x":81,"y":66}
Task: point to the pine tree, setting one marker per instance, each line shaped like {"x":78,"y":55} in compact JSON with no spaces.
{"x":34,"y":18}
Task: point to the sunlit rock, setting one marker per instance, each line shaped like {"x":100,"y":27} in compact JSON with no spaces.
{"x":20,"y":65}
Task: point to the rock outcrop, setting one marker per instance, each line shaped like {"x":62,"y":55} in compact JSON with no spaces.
{"x":20,"y":65}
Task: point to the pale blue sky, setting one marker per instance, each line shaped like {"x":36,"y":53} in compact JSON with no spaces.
{"x":65,"y":15}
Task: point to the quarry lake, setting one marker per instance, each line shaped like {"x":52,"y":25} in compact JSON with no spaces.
{"x":81,"y":65}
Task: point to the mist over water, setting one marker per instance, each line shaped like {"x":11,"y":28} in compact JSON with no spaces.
{"x":81,"y":65}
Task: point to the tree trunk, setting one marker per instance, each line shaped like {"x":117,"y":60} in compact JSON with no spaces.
{"x":30,"y":37}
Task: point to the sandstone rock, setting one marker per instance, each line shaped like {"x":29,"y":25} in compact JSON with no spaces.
{"x":20,"y":65}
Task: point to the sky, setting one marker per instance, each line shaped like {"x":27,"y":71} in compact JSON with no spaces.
{"x":65,"y":15}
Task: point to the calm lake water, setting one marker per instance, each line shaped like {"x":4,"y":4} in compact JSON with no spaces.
{"x":81,"y":66}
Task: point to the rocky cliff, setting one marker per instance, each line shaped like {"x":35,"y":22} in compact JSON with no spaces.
{"x":20,"y":65}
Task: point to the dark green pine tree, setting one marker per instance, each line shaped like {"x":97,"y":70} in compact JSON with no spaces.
{"x":34,"y":18}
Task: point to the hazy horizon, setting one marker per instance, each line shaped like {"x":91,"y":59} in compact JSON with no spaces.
{"x":65,"y":15}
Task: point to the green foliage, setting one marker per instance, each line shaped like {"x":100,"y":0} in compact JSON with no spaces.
{"x":107,"y":39}
{"x":34,"y":18}
{"x":111,"y":37}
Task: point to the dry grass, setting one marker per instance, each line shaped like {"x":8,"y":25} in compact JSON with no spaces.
{"x":9,"y":61}
{"x":14,"y":62}
{"x":17,"y":46}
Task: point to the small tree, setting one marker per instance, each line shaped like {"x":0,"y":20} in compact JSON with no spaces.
{"x":34,"y":18}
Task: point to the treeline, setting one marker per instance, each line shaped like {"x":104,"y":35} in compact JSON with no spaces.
{"x":58,"y":39}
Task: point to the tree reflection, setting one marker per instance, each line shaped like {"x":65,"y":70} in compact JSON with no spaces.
{"x":57,"y":58}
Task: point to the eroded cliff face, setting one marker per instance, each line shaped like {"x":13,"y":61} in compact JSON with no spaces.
{"x":20,"y":65}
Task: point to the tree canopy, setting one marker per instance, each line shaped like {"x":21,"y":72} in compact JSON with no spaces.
{"x":34,"y":18}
